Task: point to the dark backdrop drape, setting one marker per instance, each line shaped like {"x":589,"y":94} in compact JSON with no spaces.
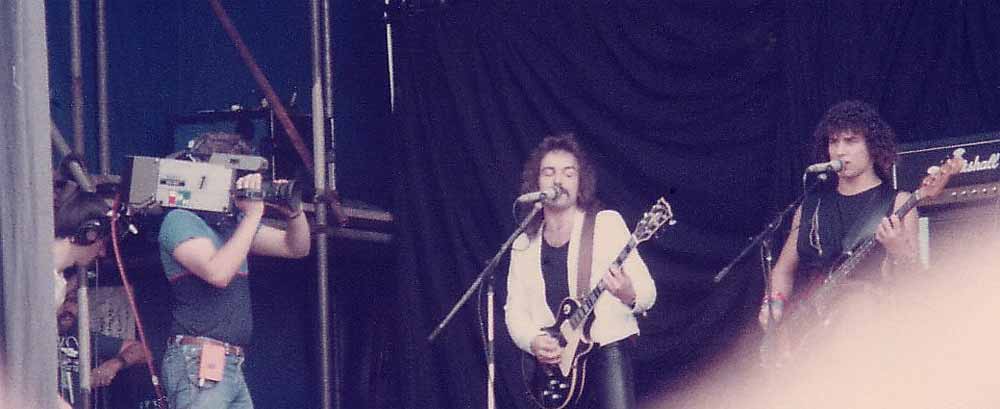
{"x":712,"y":102}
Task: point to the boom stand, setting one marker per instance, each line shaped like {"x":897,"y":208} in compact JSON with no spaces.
{"x":487,"y":273}
{"x":769,"y":230}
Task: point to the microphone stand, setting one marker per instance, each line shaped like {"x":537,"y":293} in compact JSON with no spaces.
{"x":771,"y":228}
{"x":487,"y":273}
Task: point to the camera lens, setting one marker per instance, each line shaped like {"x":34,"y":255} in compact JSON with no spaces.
{"x":286,"y":193}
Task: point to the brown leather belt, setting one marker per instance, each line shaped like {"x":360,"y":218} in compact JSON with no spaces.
{"x":189,"y":340}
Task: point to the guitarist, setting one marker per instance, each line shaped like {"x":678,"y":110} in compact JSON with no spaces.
{"x":544,"y":271}
{"x":846,"y":210}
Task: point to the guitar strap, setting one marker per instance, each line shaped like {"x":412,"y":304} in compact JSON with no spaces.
{"x":586,"y":256}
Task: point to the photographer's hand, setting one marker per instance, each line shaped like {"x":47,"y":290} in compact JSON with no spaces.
{"x":250,"y":207}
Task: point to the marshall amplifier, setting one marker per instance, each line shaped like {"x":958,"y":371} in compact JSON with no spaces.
{"x":967,"y":213}
{"x":979,"y":180}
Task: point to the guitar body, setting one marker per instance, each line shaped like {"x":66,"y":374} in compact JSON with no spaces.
{"x":802,"y":321}
{"x":554,"y":386}
{"x":810,"y":319}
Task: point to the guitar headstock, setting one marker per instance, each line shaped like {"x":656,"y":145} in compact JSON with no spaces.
{"x":654,"y":218}
{"x":938,"y":176}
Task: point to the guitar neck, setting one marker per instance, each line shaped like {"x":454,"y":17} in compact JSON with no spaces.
{"x":587,"y":303}
{"x":908,"y":205}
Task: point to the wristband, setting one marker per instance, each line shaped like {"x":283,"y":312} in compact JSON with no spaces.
{"x":778,"y":298}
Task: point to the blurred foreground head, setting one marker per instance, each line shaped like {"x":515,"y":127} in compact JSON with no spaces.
{"x":933,"y":342}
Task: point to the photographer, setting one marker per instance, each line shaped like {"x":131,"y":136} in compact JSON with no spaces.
{"x":205,"y":262}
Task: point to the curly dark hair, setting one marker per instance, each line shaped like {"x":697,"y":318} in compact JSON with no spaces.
{"x":863,"y":119}
{"x":205,"y":144}
{"x":566,"y":142}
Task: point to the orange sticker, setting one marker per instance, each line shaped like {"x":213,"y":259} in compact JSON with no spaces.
{"x":213,"y":362}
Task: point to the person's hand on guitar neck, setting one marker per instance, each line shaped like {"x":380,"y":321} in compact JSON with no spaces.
{"x":620,"y":285}
{"x":546,"y":349}
{"x":894,"y":236}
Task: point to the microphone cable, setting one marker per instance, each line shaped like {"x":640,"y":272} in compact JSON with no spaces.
{"x":161,"y":400}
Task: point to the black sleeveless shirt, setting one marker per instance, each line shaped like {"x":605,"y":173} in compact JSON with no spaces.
{"x":827,"y":217}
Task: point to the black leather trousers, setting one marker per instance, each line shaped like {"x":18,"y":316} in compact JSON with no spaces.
{"x":610,"y":382}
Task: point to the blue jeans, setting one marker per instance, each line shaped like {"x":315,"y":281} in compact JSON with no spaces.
{"x":180,"y":379}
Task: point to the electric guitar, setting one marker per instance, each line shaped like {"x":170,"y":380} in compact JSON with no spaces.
{"x":815,"y":305}
{"x":557,"y":386}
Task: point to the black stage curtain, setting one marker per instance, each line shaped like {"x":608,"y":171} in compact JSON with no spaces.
{"x":710,"y":102}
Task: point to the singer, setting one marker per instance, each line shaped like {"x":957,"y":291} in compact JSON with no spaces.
{"x":853,"y":133}
{"x":544,"y":269}
{"x":206,"y":265}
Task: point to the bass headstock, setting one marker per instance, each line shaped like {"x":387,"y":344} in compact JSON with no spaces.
{"x":938,"y":176}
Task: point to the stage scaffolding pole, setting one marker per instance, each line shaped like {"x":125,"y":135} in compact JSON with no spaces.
{"x":314,"y":162}
{"x":327,"y":51}
{"x":80,"y":148}
{"x":331,"y":185}
{"x":76,"y":74}
{"x":327,"y":384}
{"x":389,"y":63}
{"x":103,"y":128}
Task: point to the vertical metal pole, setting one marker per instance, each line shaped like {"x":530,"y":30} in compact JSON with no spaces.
{"x":328,"y":95}
{"x":83,"y":336}
{"x":103,"y":129}
{"x":337,"y":371}
{"x":80,"y":148}
{"x":76,"y":72}
{"x":326,"y":383}
{"x":491,"y":372}
{"x":391,"y":67}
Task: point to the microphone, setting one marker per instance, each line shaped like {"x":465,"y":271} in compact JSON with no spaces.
{"x":832,"y":166}
{"x":545,"y":195}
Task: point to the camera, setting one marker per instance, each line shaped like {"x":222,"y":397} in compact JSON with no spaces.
{"x":151,"y":182}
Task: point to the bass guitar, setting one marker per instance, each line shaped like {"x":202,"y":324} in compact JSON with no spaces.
{"x":815,"y":305}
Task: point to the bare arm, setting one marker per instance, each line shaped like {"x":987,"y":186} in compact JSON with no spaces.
{"x":130,"y":354}
{"x":783,"y":273}
{"x":218,"y":266}
{"x":294,"y":242}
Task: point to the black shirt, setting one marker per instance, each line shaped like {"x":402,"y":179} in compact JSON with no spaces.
{"x":827,"y":217}
{"x":555,"y":274}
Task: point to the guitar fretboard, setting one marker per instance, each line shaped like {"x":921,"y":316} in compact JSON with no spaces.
{"x":588,"y":302}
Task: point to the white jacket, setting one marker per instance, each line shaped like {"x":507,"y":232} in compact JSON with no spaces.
{"x":526,"y":309}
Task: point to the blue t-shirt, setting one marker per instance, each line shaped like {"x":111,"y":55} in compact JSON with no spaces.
{"x":199,"y":308}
